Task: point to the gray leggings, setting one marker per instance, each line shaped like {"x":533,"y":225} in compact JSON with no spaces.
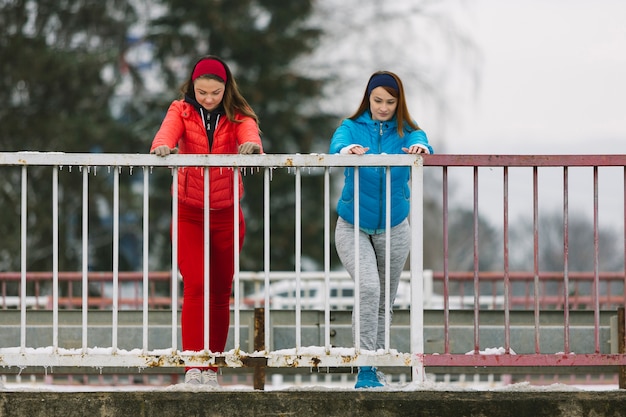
{"x":372,"y":275}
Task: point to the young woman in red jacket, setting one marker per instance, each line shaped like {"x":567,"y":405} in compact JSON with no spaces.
{"x":212,"y":117}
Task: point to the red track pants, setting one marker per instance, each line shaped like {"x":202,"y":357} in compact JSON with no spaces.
{"x":221,"y":270}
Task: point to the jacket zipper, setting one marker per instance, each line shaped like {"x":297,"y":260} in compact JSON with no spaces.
{"x":380,"y":176}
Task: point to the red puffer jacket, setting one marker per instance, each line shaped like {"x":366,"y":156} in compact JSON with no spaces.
{"x":183,"y":127}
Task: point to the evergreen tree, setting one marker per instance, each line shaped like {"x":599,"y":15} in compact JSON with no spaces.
{"x":58,"y":66}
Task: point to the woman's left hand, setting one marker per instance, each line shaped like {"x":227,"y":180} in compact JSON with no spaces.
{"x":415,"y":149}
{"x":249,"y":148}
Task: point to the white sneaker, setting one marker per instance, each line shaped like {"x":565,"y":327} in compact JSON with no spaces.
{"x":209,"y":377}
{"x":193,"y":377}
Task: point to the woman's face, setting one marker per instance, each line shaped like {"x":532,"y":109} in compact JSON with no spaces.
{"x":382,"y":104}
{"x":209,"y":92}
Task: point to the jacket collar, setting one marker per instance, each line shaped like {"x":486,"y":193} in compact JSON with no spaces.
{"x":201,"y":110}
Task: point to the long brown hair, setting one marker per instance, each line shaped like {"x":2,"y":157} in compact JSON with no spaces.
{"x":232,"y":101}
{"x":402,"y":111}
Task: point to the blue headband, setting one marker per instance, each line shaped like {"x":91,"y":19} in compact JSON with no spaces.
{"x":382,"y":80}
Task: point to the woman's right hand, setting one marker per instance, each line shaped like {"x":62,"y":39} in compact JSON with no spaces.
{"x":164,"y":150}
{"x":358,"y":150}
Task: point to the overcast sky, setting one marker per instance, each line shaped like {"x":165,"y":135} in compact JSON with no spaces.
{"x":553,"y":79}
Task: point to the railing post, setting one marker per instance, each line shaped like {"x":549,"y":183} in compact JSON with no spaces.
{"x":621,"y":335}
{"x":417,"y":270}
{"x":259,"y":346}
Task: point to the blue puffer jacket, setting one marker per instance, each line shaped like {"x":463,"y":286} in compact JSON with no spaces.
{"x":380,"y":137}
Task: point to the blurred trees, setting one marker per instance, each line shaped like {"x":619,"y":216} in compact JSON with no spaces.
{"x":58,"y":60}
{"x":69,"y":83}
{"x":260,"y":40}
{"x":58,"y":66}
{"x":98,"y":76}
{"x":551,"y":244}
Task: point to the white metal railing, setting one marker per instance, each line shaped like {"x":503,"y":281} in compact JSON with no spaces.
{"x":544,"y":341}
{"x":23,"y":355}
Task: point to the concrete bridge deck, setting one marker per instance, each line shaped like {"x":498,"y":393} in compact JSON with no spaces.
{"x":314,"y":403}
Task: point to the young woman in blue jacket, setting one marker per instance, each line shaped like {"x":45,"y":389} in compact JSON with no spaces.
{"x":381,"y":125}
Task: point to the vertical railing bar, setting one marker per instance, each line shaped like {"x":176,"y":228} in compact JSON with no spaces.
{"x":327,"y":259}
{"x":446,"y":272}
{"x":136,"y":297}
{"x":566,"y":318}
{"x":55,"y":258}
{"x":266,"y":253}
{"x":174,"y":257}
{"x":624,"y":243}
{"x":24,"y":213}
{"x":596,"y":263}
{"x":417,"y":269}
{"x":206,"y":246}
{"x":536,"y":254}
{"x":476,"y":266}
{"x":116,"y":247}
{"x":387,"y":256}
{"x":70,"y":293}
{"x":85,"y":260}
{"x":298,"y":254}
{"x":236,"y":180}
{"x":607,"y":303}
{"x":357,"y":265}
{"x":507,"y":282}
{"x":146,"y":252}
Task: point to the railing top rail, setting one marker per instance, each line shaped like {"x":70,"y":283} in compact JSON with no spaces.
{"x":178,"y":160}
{"x":306,"y":160}
{"x":524,"y":160}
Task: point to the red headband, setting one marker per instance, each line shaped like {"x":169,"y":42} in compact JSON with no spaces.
{"x":209,"y":66}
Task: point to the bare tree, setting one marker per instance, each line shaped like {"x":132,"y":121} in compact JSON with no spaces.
{"x":426,"y":42}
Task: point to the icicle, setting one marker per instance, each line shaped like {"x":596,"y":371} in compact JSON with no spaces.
{"x":95,"y":170}
{"x":70,"y":168}
{"x":109,"y":169}
{"x":130,"y":170}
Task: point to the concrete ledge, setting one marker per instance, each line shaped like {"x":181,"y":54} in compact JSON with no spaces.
{"x":314,"y":403}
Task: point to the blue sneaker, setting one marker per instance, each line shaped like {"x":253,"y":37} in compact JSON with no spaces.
{"x":367,"y":378}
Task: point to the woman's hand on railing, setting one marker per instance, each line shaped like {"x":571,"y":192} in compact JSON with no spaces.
{"x":358,"y":150}
{"x":249,"y":148}
{"x":416,"y":149}
{"x":163,"y":150}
